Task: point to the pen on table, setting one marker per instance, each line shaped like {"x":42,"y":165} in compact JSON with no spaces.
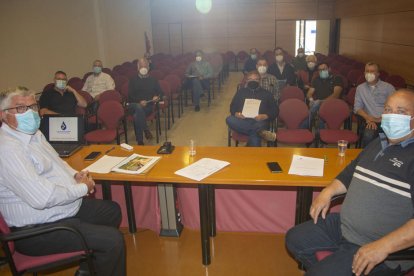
{"x":108,"y":151}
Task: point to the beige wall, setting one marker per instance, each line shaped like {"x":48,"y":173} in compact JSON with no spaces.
{"x":380,"y":31}
{"x":39,"y":37}
{"x":323,"y":28}
{"x":234,"y":24}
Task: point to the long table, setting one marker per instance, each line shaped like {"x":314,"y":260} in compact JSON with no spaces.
{"x":247,"y":167}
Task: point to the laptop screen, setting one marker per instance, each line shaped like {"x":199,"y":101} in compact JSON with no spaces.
{"x":64,"y":129}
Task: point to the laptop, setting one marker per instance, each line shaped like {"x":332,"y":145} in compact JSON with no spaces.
{"x":64,"y":133}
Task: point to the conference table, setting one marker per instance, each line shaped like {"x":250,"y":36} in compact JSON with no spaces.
{"x":247,"y":168}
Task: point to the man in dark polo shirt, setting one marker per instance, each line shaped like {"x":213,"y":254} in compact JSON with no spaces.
{"x":143,"y":92}
{"x":376,"y":217}
{"x":325,"y":86}
{"x":61,"y":99}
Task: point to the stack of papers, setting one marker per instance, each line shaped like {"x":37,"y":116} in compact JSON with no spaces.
{"x":251,"y":108}
{"x":202,"y":168}
{"x":134,"y":164}
{"x":309,"y":166}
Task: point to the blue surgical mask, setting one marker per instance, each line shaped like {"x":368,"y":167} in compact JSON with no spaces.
{"x":324,"y":74}
{"x":396,"y":126}
{"x":61,"y":84}
{"x":28,"y":122}
{"x":97,"y":69}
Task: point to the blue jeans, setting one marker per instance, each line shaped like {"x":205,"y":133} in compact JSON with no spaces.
{"x":198,"y":86}
{"x":248,"y":127}
{"x":313,"y":109}
{"x":140,"y":113}
{"x":305,"y":239}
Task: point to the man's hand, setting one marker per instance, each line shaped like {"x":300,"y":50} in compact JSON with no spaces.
{"x":239,"y":115}
{"x":85,"y":178}
{"x":143,"y":103}
{"x":371,"y":125}
{"x":261,"y":117}
{"x":70,"y":89}
{"x":320,"y":205}
{"x":155,"y":99}
{"x":368,"y":256}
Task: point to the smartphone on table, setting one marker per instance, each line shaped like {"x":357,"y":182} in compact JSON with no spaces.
{"x":274,"y":167}
{"x":92,"y":156}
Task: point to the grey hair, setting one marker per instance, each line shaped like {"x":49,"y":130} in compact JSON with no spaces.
{"x":6,"y":96}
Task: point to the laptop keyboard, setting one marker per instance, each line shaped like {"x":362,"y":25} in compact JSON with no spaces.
{"x":64,"y":148}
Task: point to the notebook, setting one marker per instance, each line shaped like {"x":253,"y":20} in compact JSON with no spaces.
{"x":64,"y":133}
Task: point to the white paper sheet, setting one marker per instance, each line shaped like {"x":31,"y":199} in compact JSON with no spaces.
{"x":309,"y":166}
{"x":104,"y":164}
{"x":251,"y":108}
{"x":202,"y":168}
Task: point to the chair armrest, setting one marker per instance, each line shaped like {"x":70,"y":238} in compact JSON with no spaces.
{"x":406,"y":254}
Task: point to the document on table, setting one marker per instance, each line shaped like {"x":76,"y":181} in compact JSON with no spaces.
{"x":202,"y":168}
{"x":104,"y":164}
{"x":251,"y":108}
{"x":309,"y":166}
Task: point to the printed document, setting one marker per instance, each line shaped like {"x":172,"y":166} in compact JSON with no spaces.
{"x":202,"y":168}
{"x":251,"y":108}
{"x":309,"y":166}
{"x":134,"y":164}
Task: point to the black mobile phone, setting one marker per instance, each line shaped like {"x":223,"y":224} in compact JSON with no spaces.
{"x":274,"y":167}
{"x":92,"y":156}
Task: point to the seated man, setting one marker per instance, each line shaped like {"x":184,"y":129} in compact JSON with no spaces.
{"x":250,"y":64}
{"x":267,"y":81}
{"x":61,"y":99}
{"x":37,"y":188}
{"x":200,"y":72}
{"x":325,"y":86}
{"x":281,"y":70}
{"x":376,"y":217}
{"x":299,"y":62}
{"x":143,"y":92}
{"x":306,"y":75}
{"x":369,"y":101}
{"x":254,"y":127}
{"x":99,"y":81}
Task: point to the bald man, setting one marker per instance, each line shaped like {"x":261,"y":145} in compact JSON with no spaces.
{"x":376,"y":218}
{"x":143,"y":92}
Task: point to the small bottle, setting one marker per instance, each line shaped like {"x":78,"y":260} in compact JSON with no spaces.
{"x":192,"y":151}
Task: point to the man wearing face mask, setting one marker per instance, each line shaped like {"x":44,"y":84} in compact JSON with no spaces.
{"x":281,"y":70}
{"x":37,"y":187}
{"x":369,"y":101}
{"x":306,"y":76}
{"x":250,"y":64}
{"x":267,"y":81}
{"x":99,"y":81}
{"x":200,"y":72}
{"x":324,"y":86}
{"x":376,"y":218}
{"x":61,"y":99}
{"x":143,"y":92}
{"x":299,"y":62}
{"x":255,"y":127}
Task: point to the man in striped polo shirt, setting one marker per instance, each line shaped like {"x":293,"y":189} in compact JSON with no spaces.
{"x":377,"y":214}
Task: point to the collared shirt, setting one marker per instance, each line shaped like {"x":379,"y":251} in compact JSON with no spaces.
{"x":200,"y":69}
{"x":60,"y":103}
{"x":371,"y":99}
{"x":325,"y":87}
{"x":36,"y":186}
{"x":269,"y":83}
{"x":95,"y":85}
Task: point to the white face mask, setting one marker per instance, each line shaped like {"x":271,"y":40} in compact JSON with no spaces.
{"x":262,"y":69}
{"x":370,"y":77}
{"x":301,"y":54}
{"x":199,"y":58}
{"x":311,"y":65}
{"x":279,"y":58}
{"x":143,"y":71}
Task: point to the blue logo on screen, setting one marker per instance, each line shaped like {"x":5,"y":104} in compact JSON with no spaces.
{"x":63,"y":126}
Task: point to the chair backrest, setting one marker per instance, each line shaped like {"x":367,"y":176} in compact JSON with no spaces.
{"x":174,"y":82}
{"x":158,"y":74}
{"x":350,"y":97}
{"x":397,"y":81}
{"x":4,"y":229}
{"x":76,"y":83}
{"x":110,"y":95}
{"x":124,"y":91}
{"x":334,"y":112}
{"x":165,"y":87}
{"x":293,"y":112}
{"x":291,"y":92}
{"x":353,"y":76}
{"x":110,"y":113}
{"x":48,"y":86}
{"x":88,"y":97}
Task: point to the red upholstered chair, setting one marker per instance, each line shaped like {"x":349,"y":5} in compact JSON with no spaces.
{"x":236,"y":137}
{"x":293,"y":112}
{"x":334,"y":112}
{"x":397,"y":81}
{"x":383,"y":75}
{"x":241,"y":58}
{"x":20,"y":264}
{"x":86,"y":76}
{"x":353,"y":77}
{"x":158,"y":74}
{"x":76,"y":83}
{"x":111,"y":116}
{"x":110,"y":95}
{"x":291,"y":92}
{"x":231,"y":57}
{"x":165,"y":103}
{"x":48,"y":86}
{"x":175,"y":85}
{"x":119,"y":81}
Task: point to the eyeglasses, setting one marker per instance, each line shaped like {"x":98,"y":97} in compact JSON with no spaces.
{"x":24,"y":108}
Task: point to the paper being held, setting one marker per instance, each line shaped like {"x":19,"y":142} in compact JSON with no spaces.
{"x":251,"y":108}
{"x":309,"y":166}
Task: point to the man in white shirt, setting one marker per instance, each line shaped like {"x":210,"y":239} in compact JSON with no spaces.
{"x":99,"y":81}
{"x":37,"y":187}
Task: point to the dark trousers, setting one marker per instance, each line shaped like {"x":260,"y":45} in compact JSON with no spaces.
{"x":98,"y":221}
{"x":198,"y":86}
{"x":140,"y":114}
{"x":249,"y":127}
{"x":307,"y":238}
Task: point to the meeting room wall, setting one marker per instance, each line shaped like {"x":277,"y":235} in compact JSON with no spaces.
{"x":39,"y":37}
{"x":231,"y":24}
{"x":379,"y":31}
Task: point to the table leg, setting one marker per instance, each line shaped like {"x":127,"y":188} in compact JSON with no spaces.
{"x":129,"y":202}
{"x":106,"y":190}
{"x":303,"y":203}
{"x":212,"y":210}
{"x":204,"y":227}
